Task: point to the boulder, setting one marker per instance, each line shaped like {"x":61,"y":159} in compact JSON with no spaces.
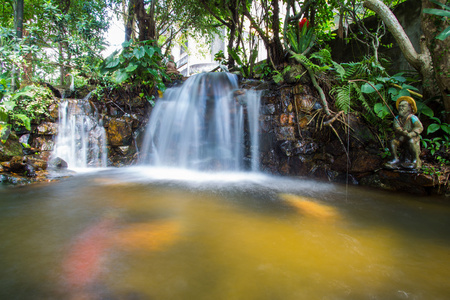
{"x":10,"y":148}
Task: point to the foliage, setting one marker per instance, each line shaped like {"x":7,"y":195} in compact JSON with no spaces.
{"x":301,"y":38}
{"x":445,"y":13}
{"x":139,"y":63}
{"x":23,"y":107}
{"x":245,"y":64}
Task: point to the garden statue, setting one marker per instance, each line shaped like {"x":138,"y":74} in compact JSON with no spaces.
{"x":407,"y":128}
{"x":171,"y":67}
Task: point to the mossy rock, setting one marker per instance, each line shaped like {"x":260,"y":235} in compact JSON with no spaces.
{"x":10,"y":148}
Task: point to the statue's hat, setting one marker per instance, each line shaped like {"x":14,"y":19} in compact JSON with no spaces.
{"x":408,"y":99}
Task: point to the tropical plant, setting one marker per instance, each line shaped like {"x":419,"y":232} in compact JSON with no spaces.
{"x":138,"y":63}
{"x":444,"y":12}
{"x":23,"y":107}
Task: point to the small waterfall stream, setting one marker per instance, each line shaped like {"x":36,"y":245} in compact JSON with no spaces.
{"x":201,"y":126}
{"x":81,"y":139}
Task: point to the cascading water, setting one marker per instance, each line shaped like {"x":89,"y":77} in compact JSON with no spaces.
{"x":81,"y":139}
{"x":201,"y":126}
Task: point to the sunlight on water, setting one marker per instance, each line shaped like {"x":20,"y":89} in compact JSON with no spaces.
{"x":112,"y":236}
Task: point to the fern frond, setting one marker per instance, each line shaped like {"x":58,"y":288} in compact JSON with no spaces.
{"x":343,"y":97}
{"x":306,"y":62}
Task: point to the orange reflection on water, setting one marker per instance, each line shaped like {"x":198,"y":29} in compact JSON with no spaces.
{"x":153,"y":236}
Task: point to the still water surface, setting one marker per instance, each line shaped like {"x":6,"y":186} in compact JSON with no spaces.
{"x":140,"y":233}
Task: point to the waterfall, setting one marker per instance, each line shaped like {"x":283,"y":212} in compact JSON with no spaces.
{"x":81,"y":139}
{"x":201,"y":126}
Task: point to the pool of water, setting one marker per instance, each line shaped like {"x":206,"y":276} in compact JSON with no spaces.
{"x":143,"y":233}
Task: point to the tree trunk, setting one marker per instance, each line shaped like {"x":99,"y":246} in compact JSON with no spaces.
{"x":146,"y":22}
{"x":129,"y":20}
{"x":439,"y":50}
{"x":18,"y":22}
{"x":276,"y":47}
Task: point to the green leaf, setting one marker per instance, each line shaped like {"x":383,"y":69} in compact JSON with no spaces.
{"x":424,"y":109}
{"x":399,"y":78}
{"x":5,"y":130}
{"x":381,"y":110}
{"x":25,"y":120}
{"x":126,"y":44}
{"x":150,"y":51}
{"x":131,"y":67}
{"x":410,"y":87}
{"x":367,"y":88}
{"x":433,"y":128}
{"x":444,"y":34}
{"x":139,"y":52}
{"x":446,"y":128}
{"x":113,"y":63}
{"x":437,"y":12}
{"x":121,"y":76}
{"x":9,"y":105}
{"x":440,"y":4}
{"x":153,"y":72}
{"x":403,"y":92}
{"x":392,"y":91}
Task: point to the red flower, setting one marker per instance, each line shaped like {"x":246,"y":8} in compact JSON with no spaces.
{"x":302,"y":23}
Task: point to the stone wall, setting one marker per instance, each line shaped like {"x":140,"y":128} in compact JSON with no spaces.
{"x":298,"y":139}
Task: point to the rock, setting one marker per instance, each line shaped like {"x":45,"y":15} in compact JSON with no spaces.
{"x":38,"y":164}
{"x":57,"y":163}
{"x":362,"y":161}
{"x":47,"y":128}
{"x":29,"y":171}
{"x":295,"y":73}
{"x":285,"y":133}
{"x":54,"y":111}
{"x":119,"y":132}
{"x":44,"y":143}
{"x":17,"y":165}
{"x":10,"y":148}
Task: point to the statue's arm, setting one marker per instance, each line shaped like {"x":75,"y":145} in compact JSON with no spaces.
{"x":417,"y":127}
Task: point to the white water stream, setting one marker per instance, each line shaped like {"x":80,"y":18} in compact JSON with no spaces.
{"x":81,"y":139}
{"x":202,"y":126}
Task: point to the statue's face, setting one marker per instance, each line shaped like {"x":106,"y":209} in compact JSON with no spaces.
{"x":404,"y":109}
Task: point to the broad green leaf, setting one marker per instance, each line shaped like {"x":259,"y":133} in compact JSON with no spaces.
{"x":139,"y":52}
{"x":424,"y":109}
{"x":113,"y":63}
{"x":433,"y":128}
{"x":25,"y":120}
{"x":446,"y":128}
{"x":367,"y":88}
{"x":150,"y":51}
{"x":399,"y":78}
{"x":410,"y":87}
{"x":437,"y":12}
{"x":131,"y":67}
{"x":121,"y":76}
{"x":381,"y":110}
{"x":392,"y":91}
{"x":153,"y":72}
{"x":126,"y":44}
{"x":9,"y":105}
{"x":5,"y":130}
{"x":403,"y":92}
{"x":444,"y":34}
{"x":441,"y":4}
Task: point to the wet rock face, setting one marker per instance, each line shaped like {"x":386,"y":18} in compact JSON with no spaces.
{"x":10,"y":148}
{"x":119,"y":132}
{"x":296,"y":142}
